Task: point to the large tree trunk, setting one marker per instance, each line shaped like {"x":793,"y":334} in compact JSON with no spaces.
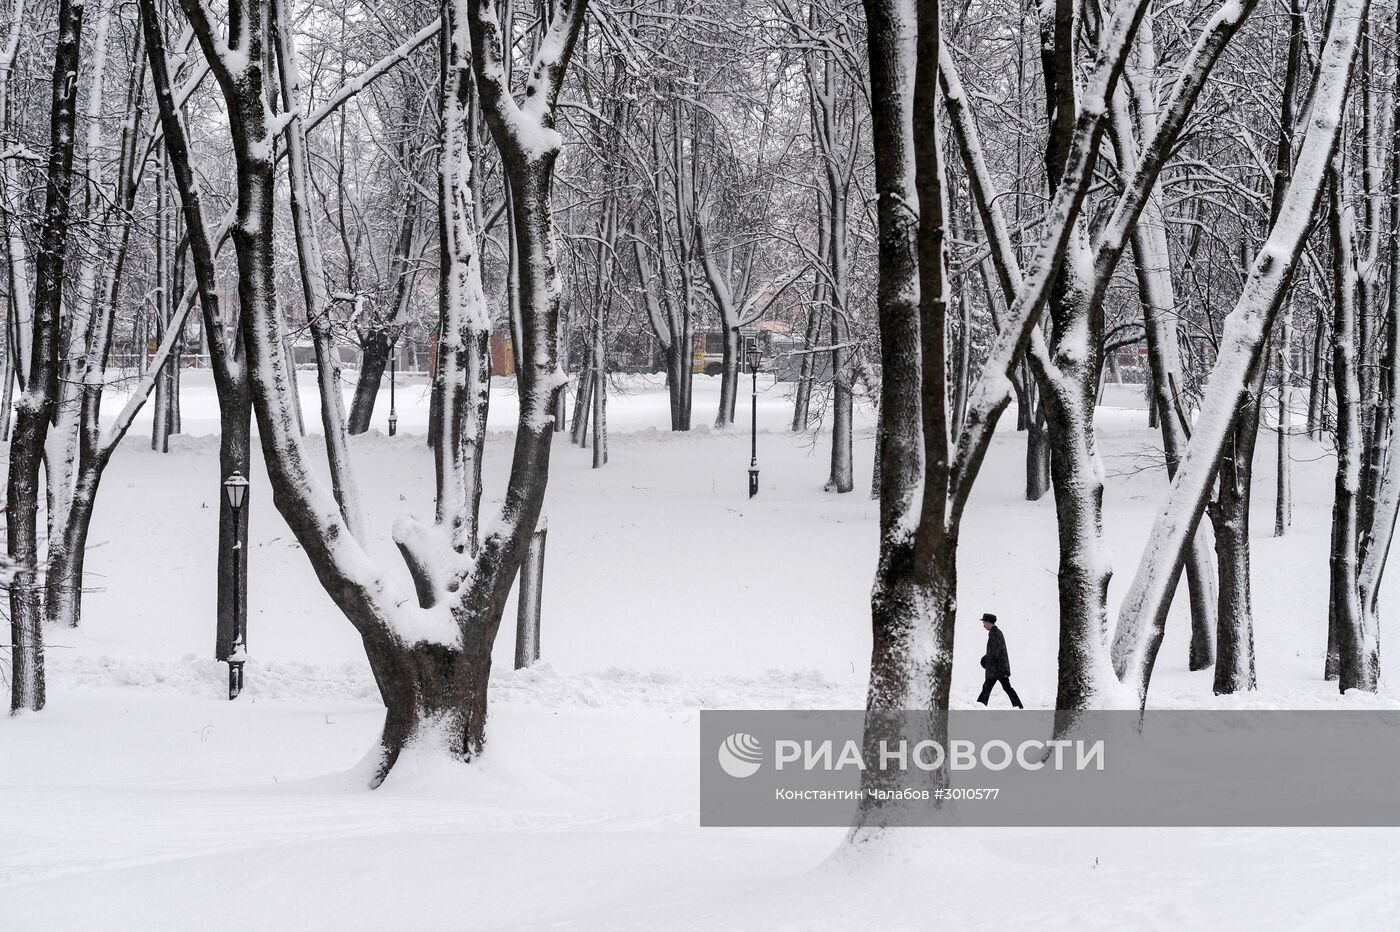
{"x":729,"y":378}
{"x":583,"y":404}
{"x":924,"y":484}
{"x":75,"y":463}
{"x":1356,"y":663}
{"x":36,"y":407}
{"x":431,"y":659}
{"x":670,"y":331}
{"x":802,"y":398}
{"x":914,"y":596}
{"x":432,"y":694}
{"x":1084,"y":675}
{"x":842,"y":478}
{"x":1037,"y":451}
{"x":678,"y":383}
{"x":376,"y":346}
{"x":1135,"y":128}
{"x":1229,"y":515}
{"x":1068,"y":390}
{"x":600,"y":403}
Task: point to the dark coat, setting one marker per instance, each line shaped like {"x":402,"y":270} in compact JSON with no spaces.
{"x":996,"y":661}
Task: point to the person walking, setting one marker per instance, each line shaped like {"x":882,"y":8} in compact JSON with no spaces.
{"x":997,"y":663}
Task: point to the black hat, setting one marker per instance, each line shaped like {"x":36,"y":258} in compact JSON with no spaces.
{"x":988,"y":616}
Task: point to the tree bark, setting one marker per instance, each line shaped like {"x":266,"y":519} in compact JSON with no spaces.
{"x":36,"y":405}
{"x":1143,"y":614}
{"x":1037,"y":454}
{"x":377,"y":344}
{"x":230,"y":374}
{"x":80,"y":449}
{"x":1348,"y":628}
{"x":1229,"y":515}
{"x":528,"y":608}
{"x":432,"y":659}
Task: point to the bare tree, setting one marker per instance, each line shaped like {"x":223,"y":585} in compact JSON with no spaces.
{"x":926,"y":476}
{"x":40,"y":395}
{"x":431,"y":655}
{"x":1143,"y":613}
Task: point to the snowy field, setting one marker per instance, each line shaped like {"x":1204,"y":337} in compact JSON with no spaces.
{"x":142,"y":799}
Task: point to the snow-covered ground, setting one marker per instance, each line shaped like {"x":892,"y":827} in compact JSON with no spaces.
{"x":142,"y":799}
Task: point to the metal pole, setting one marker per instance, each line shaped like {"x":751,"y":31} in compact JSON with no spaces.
{"x":235,"y":662}
{"x":753,"y":424}
{"x":393,"y":370}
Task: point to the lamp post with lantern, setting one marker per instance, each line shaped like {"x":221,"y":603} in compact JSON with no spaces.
{"x":236,"y":491}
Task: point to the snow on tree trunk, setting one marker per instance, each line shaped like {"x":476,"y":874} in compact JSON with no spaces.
{"x":376,"y":346}
{"x":924,"y":489}
{"x":315,"y":290}
{"x":36,"y":404}
{"x":1143,"y":613}
{"x":230,"y":374}
{"x":1348,"y":625}
{"x":1066,"y":373}
{"x":1143,"y":133}
{"x":1229,"y":513}
{"x":1037,"y":454}
{"x":600,"y":405}
{"x":77,"y":453}
{"x":431,"y":655}
{"x":1229,"y":516}
{"x":1068,"y":387}
{"x":583,"y":404}
{"x":1159,"y":309}
{"x":731,"y":361}
{"x":7,"y":394}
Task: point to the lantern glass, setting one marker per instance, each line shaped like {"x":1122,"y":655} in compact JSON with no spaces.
{"x":236,"y":490}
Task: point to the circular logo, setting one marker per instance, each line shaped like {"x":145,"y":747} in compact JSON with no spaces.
{"x":741,"y":755}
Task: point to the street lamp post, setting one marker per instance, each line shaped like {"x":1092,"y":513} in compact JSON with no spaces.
{"x":753,"y":426}
{"x":236,"y":490}
{"x":393,"y":367}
